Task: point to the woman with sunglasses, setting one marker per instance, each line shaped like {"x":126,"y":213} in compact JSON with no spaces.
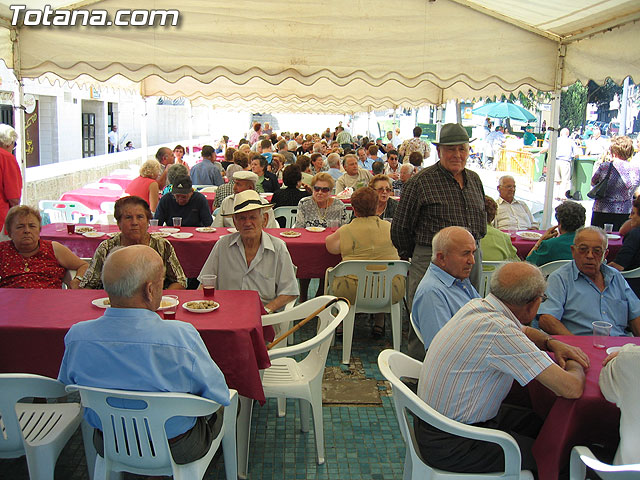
{"x":386,"y":206}
{"x":319,"y":209}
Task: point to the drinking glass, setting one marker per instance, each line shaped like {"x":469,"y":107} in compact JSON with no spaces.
{"x":177,"y":221}
{"x":600,"y":330}
{"x":169,"y":313}
{"x":608,"y":227}
{"x":209,"y":285}
{"x":153,"y":222}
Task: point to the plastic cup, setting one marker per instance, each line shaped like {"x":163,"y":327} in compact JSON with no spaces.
{"x":153,"y":222}
{"x":177,"y":221}
{"x":333,"y":225}
{"x":209,"y":285}
{"x":600,"y":330}
{"x":396,"y":192}
{"x":60,"y":227}
{"x":608,"y":227}
{"x":71,"y":228}
{"x":169,"y":313}
{"x":388,"y":219}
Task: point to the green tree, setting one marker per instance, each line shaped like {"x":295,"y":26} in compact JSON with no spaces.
{"x":573,"y":106}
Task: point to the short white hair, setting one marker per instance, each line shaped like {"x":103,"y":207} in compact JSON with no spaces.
{"x":8,"y":135}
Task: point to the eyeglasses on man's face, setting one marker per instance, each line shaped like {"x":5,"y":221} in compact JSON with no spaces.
{"x":322,"y":189}
{"x":585,"y":249}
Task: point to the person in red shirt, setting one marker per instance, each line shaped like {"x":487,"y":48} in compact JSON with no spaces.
{"x":10,"y":175}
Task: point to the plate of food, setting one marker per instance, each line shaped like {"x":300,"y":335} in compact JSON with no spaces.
{"x":93,"y":234}
{"x":611,"y":350}
{"x":613,"y":236}
{"x":169,"y":230}
{"x":161,"y":234}
{"x":232,"y":230}
{"x":290,"y":234}
{"x":166,"y":302}
{"x":200,"y":306}
{"x":205,"y":229}
{"x":315,"y":229}
{"x":84,"y":229}
{"x":101,"y":302}
{"x":529,"y":235}
{"x":182,"y":235}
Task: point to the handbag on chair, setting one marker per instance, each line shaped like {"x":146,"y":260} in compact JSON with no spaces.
{"x":599,"y":190}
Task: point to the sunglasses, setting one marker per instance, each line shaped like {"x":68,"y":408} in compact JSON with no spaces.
{"x":322,"y":189}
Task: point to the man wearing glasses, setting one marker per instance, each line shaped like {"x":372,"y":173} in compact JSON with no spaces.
{"x":183,"y":202}
{"x":586,"y":290}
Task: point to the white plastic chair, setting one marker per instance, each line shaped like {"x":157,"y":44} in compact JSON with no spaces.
{"x":582,"y":457}
{"x":488,"y":267}
{"x":374,"y":295}
{"x":103,"y":186}
{"x":394,"y":365}
{"x":38,"y":430}
{"x":66,"y":211}
{"x":289,"y":214}
{"x":209,"y":188}
{"x":415,"y":328}
{"x":135,"y":440}
{"x":302,"y":379}
{"x":635,"y":273}
{"x":551,"y":267}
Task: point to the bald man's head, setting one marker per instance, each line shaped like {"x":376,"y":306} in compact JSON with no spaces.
{"x":127,"y":270}
{"x":518,"y":283}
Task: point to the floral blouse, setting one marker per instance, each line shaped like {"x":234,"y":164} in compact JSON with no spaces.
{"x":310,"y":215}
{"x":623,"y":181}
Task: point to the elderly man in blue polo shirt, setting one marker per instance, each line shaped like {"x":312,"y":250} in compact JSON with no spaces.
{"x":445,"y":288}
{"x":586,"y":290}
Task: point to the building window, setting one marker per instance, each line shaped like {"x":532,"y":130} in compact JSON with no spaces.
{"x":88,"y":134}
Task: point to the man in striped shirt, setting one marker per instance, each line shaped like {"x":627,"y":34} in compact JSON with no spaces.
{"x":472,"y":362}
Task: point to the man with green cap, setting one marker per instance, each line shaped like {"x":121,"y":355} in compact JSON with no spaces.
{"x":443,"y":195}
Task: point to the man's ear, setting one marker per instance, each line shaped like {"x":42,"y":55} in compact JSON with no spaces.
{"x":147,"y":291}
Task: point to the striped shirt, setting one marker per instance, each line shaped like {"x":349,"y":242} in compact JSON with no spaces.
{"x":472,"y":361}
{"x":432,"y":200}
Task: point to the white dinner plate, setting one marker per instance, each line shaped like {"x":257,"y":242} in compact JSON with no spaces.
{"x":182,"y":235}
{"x":161,"y":234}
{"x":290,"y":234}
{"x":613,"y":236}
{"x":528,"y":235}
{"x":100,"y":302}
{"x":186,"y":306}
{"x":166,"y":302}
{"x":93,"y":234}
{"x":169,"y":230}
{"x":83,"y":228}
{"x":232,"y":230}
{"x":611,"y":350}
{"x":205,"y":229}
{"x":315,"y":229}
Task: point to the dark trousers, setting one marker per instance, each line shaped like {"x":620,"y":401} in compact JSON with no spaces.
{"x":598,"y":219}
{"x":188,"y":447}
{"x":451,"y":453}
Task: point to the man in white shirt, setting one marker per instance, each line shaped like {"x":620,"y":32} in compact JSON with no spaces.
{"x":512,"y":214}
{"x":597,"y":145}
{"x":113,"y":140}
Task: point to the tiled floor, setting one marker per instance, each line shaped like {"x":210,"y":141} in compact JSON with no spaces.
{"x":361,"y":442}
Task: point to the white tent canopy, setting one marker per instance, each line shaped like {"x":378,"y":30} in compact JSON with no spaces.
{"x":340,"y":56}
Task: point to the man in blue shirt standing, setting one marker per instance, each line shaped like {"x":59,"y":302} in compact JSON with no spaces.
{"x":131,"y":348}
{"x":586,"y":290}
{"x":445,"y":288}
{"x":205,"y":172}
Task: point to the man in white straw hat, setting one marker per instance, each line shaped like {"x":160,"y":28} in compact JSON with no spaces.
{"x":252,"y":259}
{"x":242,"y":181}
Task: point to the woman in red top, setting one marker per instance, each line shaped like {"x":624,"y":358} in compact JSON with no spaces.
{"x":26,"y":261}
{"x":146,"y":185}
{"x":10,"y":175}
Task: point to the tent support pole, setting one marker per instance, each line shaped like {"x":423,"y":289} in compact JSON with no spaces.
{"x":143,"y":132}
{"x":18,"y":111}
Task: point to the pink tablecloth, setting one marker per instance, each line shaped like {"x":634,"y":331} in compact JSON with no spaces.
{"x":211,"y":196}
{"x":92,"y":197}
{"x":524,"y":246}
{"x":308,"y":251}
{"x":34,"y":322}
{"x":118,"y":179}
{"x":575,"y":422}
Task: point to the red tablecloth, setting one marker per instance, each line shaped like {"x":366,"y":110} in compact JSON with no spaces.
{"x":308,"y":251}
{"x":92,"y":197}
{"x":34,"y":322}
{"x":211,"y":196}
{"x":575,"y":422}
{"x":118,"y":179}
{"x":524,"y":246}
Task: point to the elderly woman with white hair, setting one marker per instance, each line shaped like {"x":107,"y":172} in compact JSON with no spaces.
{"x":11,"y":184}
{"x":146,"y":186}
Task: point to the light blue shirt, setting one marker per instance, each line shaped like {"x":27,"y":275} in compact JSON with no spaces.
{"x":206,"y":173}
{"x":135,"y":349}
{"x":335,"y":173}
{"x":576,"y":301}
{"x":367,"y":165}
{"x":438,"y":297}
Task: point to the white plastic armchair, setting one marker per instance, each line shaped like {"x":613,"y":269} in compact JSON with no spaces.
{"x":488,"y":267}
{"x":548,"y":268}
{"x":582,"y":457}
{"x":395,"y":365}
{"x":635,"y":273}
{"x":66,"y":211}
{"x":289,"y":214}
{"x":209,"y":189}
{"x":135,"y":440}
{"x":289,"y":378}
{"x":374,"y":295}
{"x":38,"y":430}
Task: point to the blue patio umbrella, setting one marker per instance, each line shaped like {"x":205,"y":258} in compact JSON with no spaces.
{"x":505,"y":110}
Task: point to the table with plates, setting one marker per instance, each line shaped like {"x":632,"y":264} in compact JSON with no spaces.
{"x":588,"y":419}
{"x":34,"y":323}
{"x":524,"y":245}
{"x":92,"y":197}
{"x":308,"y":251}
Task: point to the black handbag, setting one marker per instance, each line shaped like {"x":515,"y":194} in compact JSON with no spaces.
{"x":599,"y":190}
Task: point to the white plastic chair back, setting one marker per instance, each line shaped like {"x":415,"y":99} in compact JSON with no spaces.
{"x":551,"y":267}
{"x":289,"y":378}
{"x":38,"y":430}
{"x":289,"y":214}
{"x":415,"y":328}
{"x":135,"y":440}
{"x":582,"y":457}
{"x":104,"y":186}
{"x":394,"y":365}
{"x":488,"y":267}
{"x":209,"y":188}
{"x":66,"y":211}
{"x":635,"y":273}
{"x":374,"y":294}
